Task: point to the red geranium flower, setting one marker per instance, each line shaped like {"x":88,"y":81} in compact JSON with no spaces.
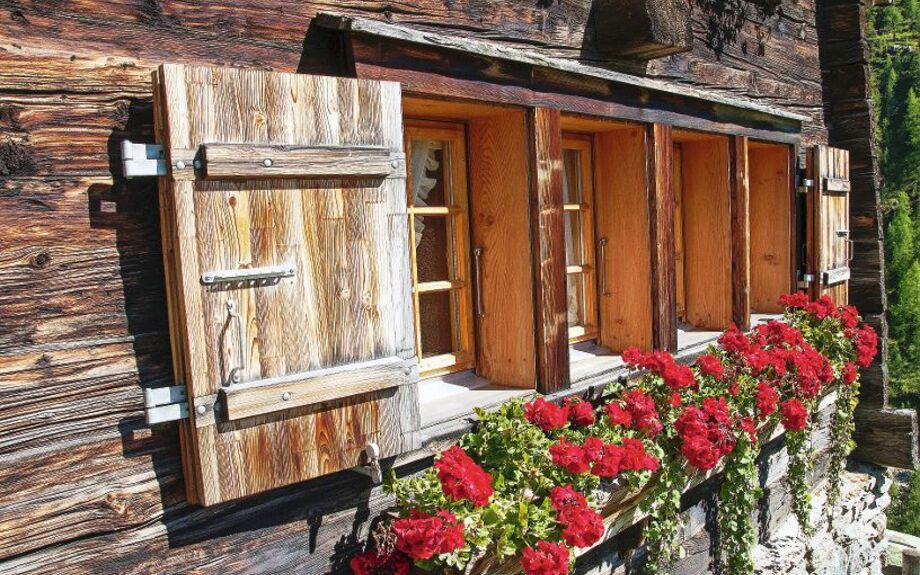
{"x":767,"y":399}
{"x":795,"y":416}
{"x":583,"y":526}
{"x":849,"y":373}
{"x":674,"y":400}
{"x":581,"y":413}
{"x":545,"y":415}
{"x":562,"y":497}
{"x":618,"y":415}
{"x":824,"y":307}
{"x":370,"y":563}
{"x":609,"y":463}
{"x":866,"y":343}
{"x":747,"y":425}
{"x":733,"y":341}
{"x":641,"y":407}
{"x":796,"y":300}
{"x":547,"y":559}
{"x":710,"y":365}
{"x":570,"y":457}
{"x":421,"y":536}
{"x":462,"y":478}
{"x":700,"y":452}
{"x":849,"y":317}
{"x":661,"y":363}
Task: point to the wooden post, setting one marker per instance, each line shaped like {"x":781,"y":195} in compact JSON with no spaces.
{"x":661,"y":210}
{"x":740,"y":232}
{"x":910,"y":562}
{"x":549,"y":251}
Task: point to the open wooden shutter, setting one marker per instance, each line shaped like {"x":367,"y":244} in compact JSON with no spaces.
{"x":830,"y":247}
{"x":287,"y":261}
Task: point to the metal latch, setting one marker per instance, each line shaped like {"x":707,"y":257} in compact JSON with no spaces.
{"x":807,"y":280}
{"x":164,"y":404}
{"x":139,"y":160}
{"x":372,"y":467}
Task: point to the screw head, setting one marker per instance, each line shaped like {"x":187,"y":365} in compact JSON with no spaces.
{"x":267,"y":162}
{"x":201,"y":409}
{"x":286,"y":396}
{"x":180,"y":165}
{"x":394,"y":164}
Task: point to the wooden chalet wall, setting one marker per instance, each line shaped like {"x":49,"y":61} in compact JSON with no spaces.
{"x":85,"y":487}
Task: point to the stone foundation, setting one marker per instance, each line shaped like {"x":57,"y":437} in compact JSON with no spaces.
{"x":851,"y":542}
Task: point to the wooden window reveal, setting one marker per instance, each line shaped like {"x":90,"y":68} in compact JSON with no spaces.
{"x":292,"y":377}
{"x":578,"y":207}
{"x":439,"y":230}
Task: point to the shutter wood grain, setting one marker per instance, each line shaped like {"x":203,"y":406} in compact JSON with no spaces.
{"x":829,"y":221}
{"x":272,"y":395}
{"x":283,"y":161}
{"x":335,"y":210}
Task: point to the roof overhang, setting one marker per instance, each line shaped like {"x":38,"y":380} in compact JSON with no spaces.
{"x":465,"y":67}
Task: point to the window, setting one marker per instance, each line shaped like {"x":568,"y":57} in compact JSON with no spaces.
{"x":578,"y":200}
{"x":439,"y":230}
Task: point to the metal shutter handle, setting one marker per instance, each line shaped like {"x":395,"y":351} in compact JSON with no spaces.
{"x":477,"y":270}
{"x":603,"y":266}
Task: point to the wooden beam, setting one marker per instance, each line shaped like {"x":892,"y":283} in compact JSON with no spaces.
{"x":661,"y":210}
{"x":642,"y":29}
{"x":740,"y":232}
{"x":887,"y":437}
{"x":496,"y":51}
{"x":548,"y":238}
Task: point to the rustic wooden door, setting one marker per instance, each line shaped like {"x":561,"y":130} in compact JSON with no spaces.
{"x":830,"y":246}
{"x":285,"y":235}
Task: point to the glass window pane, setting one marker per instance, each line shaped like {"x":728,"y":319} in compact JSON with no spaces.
{"x":574,"y":241}
{"x":571,"y":176}
{"x":435,"y":312}
{"x":575,"y":286}
{"x":432,"y":248}
{"x":430,"y":172}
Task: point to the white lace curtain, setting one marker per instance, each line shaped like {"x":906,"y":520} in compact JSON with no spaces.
{"x":424,"y":161}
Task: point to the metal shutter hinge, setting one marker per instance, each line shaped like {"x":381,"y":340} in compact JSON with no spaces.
{"x":142,"y":160}
{"x":163,"y":404}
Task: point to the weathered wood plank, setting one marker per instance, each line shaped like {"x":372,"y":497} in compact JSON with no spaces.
{"x":312,"y":387}
{"x":248,"y":161}
{"x":887,"y":437}
{"x":661,"y":210}
{"x":549,"y":250}
{"x":739,"y":208}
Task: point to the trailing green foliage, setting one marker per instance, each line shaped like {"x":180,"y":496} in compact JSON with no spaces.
{"x":904,"y":512}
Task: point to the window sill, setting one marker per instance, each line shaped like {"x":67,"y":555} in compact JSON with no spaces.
{"x":692,"y":340}
{"x":758,"y":318}
{"x":452,"y":397}
{"x":591,"y":364}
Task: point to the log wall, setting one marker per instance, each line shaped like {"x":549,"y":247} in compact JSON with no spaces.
{"x":84,"y":486}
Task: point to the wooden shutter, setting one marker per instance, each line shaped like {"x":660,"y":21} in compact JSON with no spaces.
{"x":830,"y":247}
{"x":287,"y":261}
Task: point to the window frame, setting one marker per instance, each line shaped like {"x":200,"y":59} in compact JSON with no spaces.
{"x":458,"y":229}
{"x":589,"y":329}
